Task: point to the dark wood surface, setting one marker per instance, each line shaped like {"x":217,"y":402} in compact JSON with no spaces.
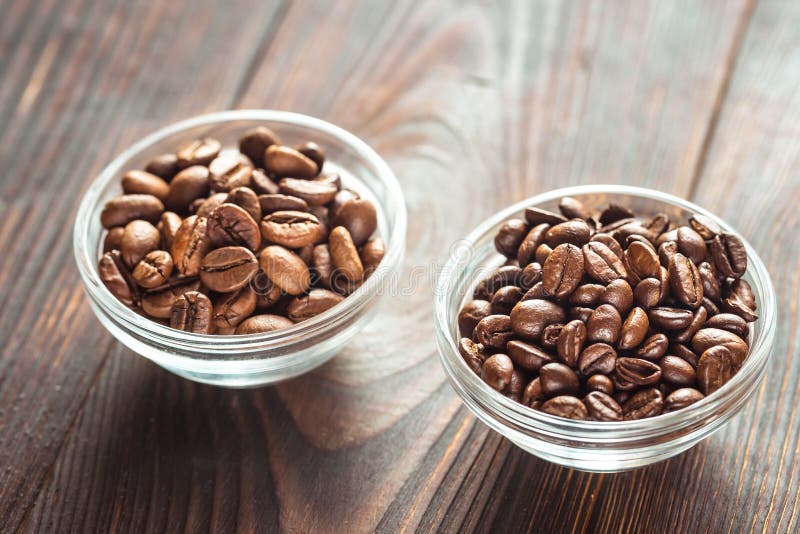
{"x":489,"y":101}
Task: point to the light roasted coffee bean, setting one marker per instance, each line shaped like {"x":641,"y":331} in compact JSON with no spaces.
{"x":164,"y":166}
{"x":189,"y":184}
{"x":292,"y":229}
{"x":360,"y":218}
{"x":260,"y":324}
{"x":142,"y":182}
{"x":138,"y":238}
{"x":314,"y":192}
{"x":126,"y":208}
{"x":284,"y":161}
{"x":344,"y":255}
{"x":526,"y":250}
{"x":227,"y":269}
{"x":198,"y":152}
{"x":286,"y":269}
{"x":153,"y":270}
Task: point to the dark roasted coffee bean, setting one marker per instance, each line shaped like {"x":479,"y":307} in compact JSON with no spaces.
{"x":510,"y":236}
{"x":229,"y":171}
{"x":681,"y":398}
{"x":164,"y":166}
{"x":227,"y":269}
{"x":620,"y":384}
{"x":189,"y":184}
{"x":604,"y":325}
{"x":532,"y":396}
{"x":573,"y":208}
{"x":733,"y":305}
{"x":681,"y":350}
{"x":231,"y":225}
{"x":610,"y":242}
{"x":716,"y":367}
{"x":472,"y":353}
{"x":563,"y":270}
{"x":550,"y":335}
{"x":526,"y":250}
{"x":708,"y":276}
{"x":621,"y":396}
{"x":267,"y":293}
{"x":653,"y":348}
{"x":710,"y":307}
{"x":259,"y":324}
{"x":536,"y":292}
{"x":575,"y":232}
{"x":208,"y":205}
{"x":255,"y":141}
{"x":530,"y":276}
{"x":142,"y":182}
{"x":685,"y":282}
{"x":570,"y":342}
{"x":280,"y":202}
{"x":314,"y":192}
{"x":671,"y":319}
{"x":657,"y":224}
{"x":691,"y":244}
{"x":566,"y":406}
{"x":285,"y":161}
{"x":516,"y":386}
{"x":113,"y":239}
{"x":497,"y":370}
{"x":494,"y":331}
{"x":504,"y":299}
{"x":344,"y":254}
{"x":191,"y":312}
{"x":469,"y":316}
{"x":504,"y":276}
{"x":647,"y":293}
{"x":615,"y":212}
{"x":730,"y":322}
{"x":600,"y":383}
{"x":153,"y":270}
{"x":558,"y":379}
{"x":314,"y":303}
{"x":580,"y":313}
{"x":157,"y":302}
{"x":527,"y":356}
{"x":245,"y":198}
{"x":602,"y":407}
{"x":740,"y":288}
{"x":601,"y":263}
{"x":286,"y":269}
{"x":586,"y":295}
{"x":643,"y":403}
{"x":121,"y":210}
{"x":622,"y":233}
{"x":293,"y":229}
{"x":705,"y":338}
{"x":641,"y":262}
{"x":704,"y":226}
{"x":542,"y":253}
{"x":232,"y":308}
{"x":536,"y":216}
{"x":198,"y":152}
{"x":677,"y":371}
{"x":666,"y":250}
{"x":698,"y":321}
{"x":634,"y":329}
{"x":529,"y":317}
{"x":638,"y":371}
{"x":262,"y":184}
{"x":360,"y":218}
{"x":729,"y":255}
{"x":597,"y":358}
{"x":620,"y":295}
{"x":115,"y":275}
{"x":138,"y":238}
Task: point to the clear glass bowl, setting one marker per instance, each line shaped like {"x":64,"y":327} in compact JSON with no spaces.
{"x":251,"y":360}
{"x":592,"y":445}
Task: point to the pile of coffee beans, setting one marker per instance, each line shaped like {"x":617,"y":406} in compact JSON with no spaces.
{"x":243,"y":241}
{"x":609,"y":316}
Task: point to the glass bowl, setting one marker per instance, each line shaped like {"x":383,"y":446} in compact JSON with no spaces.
{"x":593,"y":445}
{"x":257,"y":359}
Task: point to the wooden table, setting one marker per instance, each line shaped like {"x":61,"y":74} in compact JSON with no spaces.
{"x":486,"y":102}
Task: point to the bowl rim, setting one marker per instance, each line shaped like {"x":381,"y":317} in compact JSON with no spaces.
{"x":602,"y":431}
{"x":395,"y":240}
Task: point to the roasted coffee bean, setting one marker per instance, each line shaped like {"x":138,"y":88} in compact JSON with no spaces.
{"x":323,"y":270}
{"x":706,"y":338}
{"x":164,"y":166}
{"x":314,"y":192}
{"x":494,"y":331}
{"x":609,"y":242}
{"x":685,"y":282}
{"x":641,"y":261}
{"x":708,"y":277}
{"x":497,"y":370}
{"x":536,"y":292}
{"x":699,"y":319}
{"x":710,"y":307}
{"x":126,"y":208}
{"x":286,"y":269}
{"x":313,"y":152}
{"x":470,"y":314}
{"x":189,"y":184}
{"x":153,"y":270}
{"x":259,"y":324}
{"x":638,"y":371}
{"x":542,"y":253}
{"x":113,"y":239}
{"x":586,"y":295}
{"x":729,"y":255}
{"x":622,"y":234}
{"x":231,"y":225}
{"x":550,"y":335}
{"x":504,"y":276}
{"x":142,"y":182}
{"x":255,"y":141}
{"x":691,"y":244}
{"x":293,"y":229}
{"x":735,"y":306}
{"x":138,"y":238}
{"x":600,"y":383}
{"x":653,"y":348}
{"x":597,"y":358}
{"x":245,"y":198}
{"x":740,"y":288}
{"x":566,"y":406}
{"x":573,"y":208}
{"x":280,"y":202}
{"x":716,"y":367}
{"x":657,"y":225}
{"x":620,"y":384}
{"x":515,"y":388}
{"x":232,"y":308}
{"x":571,"y":341}
{"x":563,"y":270}
{"x":681,"y":398}
{"x":115,"y":275}
{"x":344,"y":255}
{"x":198,"y":152}
{"x":157,"y":302}
{"x":510,"y":236}
{"x":634,"y":329}
{"x":602,"y":407}
{"x":730,"y":322}
{"x":601,"y":263}
{"x":580,"y":313}
{"x":529,"y":317}
{"x":666,"y":250}
{"x":262,"y":184}
{"x":284,"y":161}
{"x":191,"y":312}
{"x":604,"y":325}
{"x":371,"y":254}
{"x":647,"y":293}
{"x":704,"y":226}
{"x":229,"y":171}
{"x":681,"y":350}
{"x":340,"y":199}
{"x":536,"y":216}
{"x":267,"y":293}
{"x":527,"y":356}
{"x":227,"y":269}
{"x":677,"y":371}
{"x":359,"y":217}
{"x":332,"y":178}
{"x":472,"y":353}
{"x":575,"y":232}
{"x":526,"y":251}
{"x":504,"y":299}
{"x":208,"y":205}
{"x":667,"y":318}
{"x":615,"y":212}
{"x":558,"y":379}
{"x":314,"y":303}
{"x":168,"y":226}
{"x":619,"y":295}
{"x":532,"y":396}
{"x":644,"y":403}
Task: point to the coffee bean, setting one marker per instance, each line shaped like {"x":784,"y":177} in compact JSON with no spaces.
{"x":644,"y":403}
{"x":314,"y":303}
{"x":232,"y":308}
{"x":602,"y":407}
{"x":550,"y":335}
{"x":189,"y":245}
{"x":558,"y":379}
{"x":729,"y":255}
{"x":208,"y":205}
{"x":198,"y":152}
{"x":656,"y":225}
{"x":227,"y":269}
{"x":189,"y":184}
{"x":323,"y":269}
{"x":716,"y":367}
{"x":653,"y":348}
{"x":168,"y":226}
{"x":580,"y":313}
{"x":730,"y":322}
{"x":600,"y":383}
{"x":359,"y":217}
{"x":705,"y":226}
{"x":313,"y":152}
{"x":116,"y":277}
{"x":472,"y":353}
{"x":314,"y":192}
{"x":619,"y":295}
{"x":157,"y":302}
{"x":575,"y":232}
{"x":597,"y":358}
{"x":255,"y":141}
{"x":284,"y":161}
{"x":601,"y":263}
{"x":504,"y":299}
{"x":153,"y":270}
{"x":229,"y":171}
{"x":642,"y":261}
{"x":293,"y":229}
{"x":638,"y":371}
{"x":532,"y":396}
{"x":526,"y":250}
{"x":586,"y":295}
{"x":609,"y":242}
{"x":138,"y":238}
{"x":529,"y":317}
{"x":515,"y":388}
{"x":699,"y":319}
{"x":536,"y":292}
{"x":113,"y":239}
{"x":691,"y":244}
{"x":510,"y":236}
{"x":706,"y":338}
{"x":740,"y":288}
{"x":267,"y":293}
{"x":165,"y":166}
{"x":542,"y":253}
{"x":231,"y":225}
{"x":681,"y":398}
{"x":344,"y":254}
{"x":647,"y":293}
{"x":677,"y":371}
{"x":340,"y":199}
{"x":667,"y":318}
{"x":286,"y":269}
{"x":121,"y":210}
{"x":604,"y":325}
{"x":615,"y":212}
{"x":494,"y":331}
{"x":471,"y":314}
{"x":571,"y":341}
{"x":563,"y":270}
{"x":504,"y":276}
{"x":666,"y":250}
{"x":262,"y":184}
{"x":371,"y":254}
{"x":496,"y":371}
{"x":280,"y":202}
{"x":734,"y":305}
{"x":566,"y":406}
{"x":191,"y":312}
{"x":634,"y":329}
{"x":573,"y":208}
{"x":245,"y":198}
{"x":685,"y":281}
{"x":142,"y":182}
{"x":260,"y":324}
{"x":536,"y":216}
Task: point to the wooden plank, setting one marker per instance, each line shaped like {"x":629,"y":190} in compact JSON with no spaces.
{"x":484,"y":101}
{"x":81,"y":80}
